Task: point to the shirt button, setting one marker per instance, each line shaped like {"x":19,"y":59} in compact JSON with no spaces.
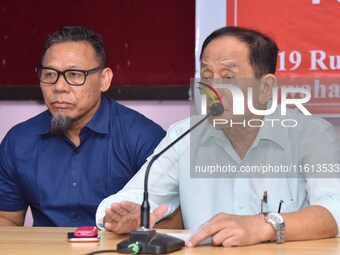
{"x":75,"y":184}
{"x":240,"y":206}
{"x":76,"y":151}
{"x":75,"y":215}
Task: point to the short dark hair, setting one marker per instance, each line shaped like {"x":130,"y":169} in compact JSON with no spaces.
{"x":263,"y":50}
{"x":78,"y":34}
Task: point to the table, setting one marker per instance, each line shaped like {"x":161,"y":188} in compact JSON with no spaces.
{"x":50,"y":241}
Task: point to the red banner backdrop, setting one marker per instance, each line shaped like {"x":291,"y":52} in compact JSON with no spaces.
{"x":307,"y":32}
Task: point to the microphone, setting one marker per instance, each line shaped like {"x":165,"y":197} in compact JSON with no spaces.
{"x":147,"y":239}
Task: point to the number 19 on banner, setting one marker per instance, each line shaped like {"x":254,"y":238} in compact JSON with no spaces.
{"x":294,"y":60}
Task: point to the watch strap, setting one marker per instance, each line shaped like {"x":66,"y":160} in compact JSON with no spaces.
{"x":279,"y":227}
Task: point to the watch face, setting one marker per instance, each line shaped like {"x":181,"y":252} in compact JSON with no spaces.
{"x":275,"y":218}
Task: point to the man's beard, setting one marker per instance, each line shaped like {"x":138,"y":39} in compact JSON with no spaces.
{"x":60,"y":124}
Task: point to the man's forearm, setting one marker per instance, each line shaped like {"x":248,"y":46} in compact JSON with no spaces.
{"x":12,"y":218}
{"x":313,"y":222}
{"x":7,"y":222}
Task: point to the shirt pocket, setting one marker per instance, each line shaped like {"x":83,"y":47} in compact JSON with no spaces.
{"x":287,"y":204}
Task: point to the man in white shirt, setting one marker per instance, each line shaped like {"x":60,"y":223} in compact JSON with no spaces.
{"x":240,"y":183}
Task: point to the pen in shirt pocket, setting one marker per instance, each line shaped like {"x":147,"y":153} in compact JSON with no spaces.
{"x":264,"y":202}
{"x":280,"y":204}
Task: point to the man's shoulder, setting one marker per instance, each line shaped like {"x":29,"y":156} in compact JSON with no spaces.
{"x":121,"y":114}
{"x":307,"y":121}
{"x":36,"y":125}
{"x":187,"y":123}
{"x":309,"y":129}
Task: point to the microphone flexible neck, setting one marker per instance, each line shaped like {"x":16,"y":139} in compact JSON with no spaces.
{"x":145,"y":207}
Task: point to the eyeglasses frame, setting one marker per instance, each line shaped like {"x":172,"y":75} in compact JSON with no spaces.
{"x":85,"y":72}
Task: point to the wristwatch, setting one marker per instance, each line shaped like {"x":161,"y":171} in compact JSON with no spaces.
{"x":278,"y":223}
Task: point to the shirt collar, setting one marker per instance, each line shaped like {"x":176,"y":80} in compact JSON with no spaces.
{"x":273,"y":130}
{"x":207,"y":132}
{"x":45,"y":125}
{"x":100,"y":121}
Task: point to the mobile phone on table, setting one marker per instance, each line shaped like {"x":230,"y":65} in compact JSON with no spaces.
{"x":86,"y":231}
{"x":84,"y":234}
{"x":72,"y":238}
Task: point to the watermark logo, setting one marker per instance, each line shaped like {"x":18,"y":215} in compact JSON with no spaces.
{"x":238,"y":104}
{"x":213,"y":94}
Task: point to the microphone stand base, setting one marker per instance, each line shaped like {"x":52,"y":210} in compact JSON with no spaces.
{"x":151,"y":242}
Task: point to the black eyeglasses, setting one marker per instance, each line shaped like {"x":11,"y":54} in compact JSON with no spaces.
{"x":72,"y":77}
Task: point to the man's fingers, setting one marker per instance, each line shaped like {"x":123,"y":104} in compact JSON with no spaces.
{"x":108,"y":225}
{"x":113,"y":214}
{"x":122,"y":217}
{"x":223,"y":237}
{"x":118,"y":210}
{"x":125,"y":216}
{"x":130,"y":207}
{"x":205,"y":231}
{"x":158,"y":213}
{"x":122,"y":208}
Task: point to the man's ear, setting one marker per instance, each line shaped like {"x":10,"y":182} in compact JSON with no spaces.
{"x":106,"y":78}
{"x":267,"y":84}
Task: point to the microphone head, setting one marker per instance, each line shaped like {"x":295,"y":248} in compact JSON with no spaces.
{"x":216,"y":109}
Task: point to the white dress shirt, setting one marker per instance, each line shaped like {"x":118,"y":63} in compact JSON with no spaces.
{"x":186,"y":174}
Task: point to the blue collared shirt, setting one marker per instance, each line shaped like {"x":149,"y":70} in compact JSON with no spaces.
{"x":63,"y":183}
